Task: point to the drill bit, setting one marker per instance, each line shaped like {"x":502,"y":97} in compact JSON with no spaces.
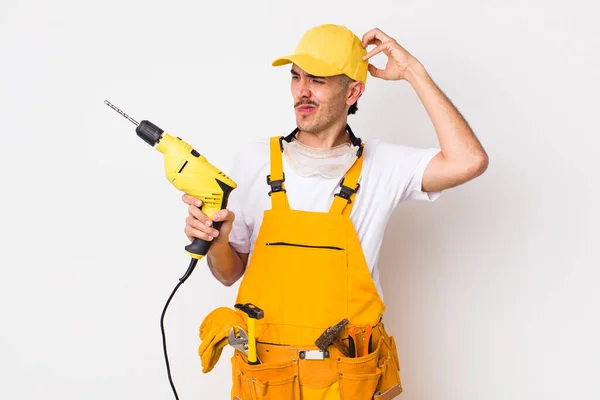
{"x":121,"y":112}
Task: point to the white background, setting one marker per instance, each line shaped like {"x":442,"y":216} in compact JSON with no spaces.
{"x":492,"y":291}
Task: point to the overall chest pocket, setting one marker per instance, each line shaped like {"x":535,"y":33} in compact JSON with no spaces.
{"x":312,"y":281}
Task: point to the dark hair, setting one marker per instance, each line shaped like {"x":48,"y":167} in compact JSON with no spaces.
{"x":353,"y":108}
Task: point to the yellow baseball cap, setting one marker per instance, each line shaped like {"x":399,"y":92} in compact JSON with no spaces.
{"x":328,"y":50}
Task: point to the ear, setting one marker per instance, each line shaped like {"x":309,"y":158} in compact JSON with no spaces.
{"x":355,"y":90}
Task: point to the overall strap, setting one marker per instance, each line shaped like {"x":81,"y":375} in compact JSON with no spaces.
{"x":276,"y":178}
{"x":343,"y":201}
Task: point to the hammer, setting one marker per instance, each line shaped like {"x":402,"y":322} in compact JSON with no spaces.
{"x":253,"y":313}
{"x":330,"y":337}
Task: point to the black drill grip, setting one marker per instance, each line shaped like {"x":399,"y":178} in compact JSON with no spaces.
{"x":201,"y":246}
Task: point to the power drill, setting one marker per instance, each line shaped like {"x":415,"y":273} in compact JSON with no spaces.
{"x":191,"y":173}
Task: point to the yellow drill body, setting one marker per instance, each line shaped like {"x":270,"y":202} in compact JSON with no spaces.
{"x":190,"y":172}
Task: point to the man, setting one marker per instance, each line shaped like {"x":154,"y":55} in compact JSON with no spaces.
{"x":305,"y":224}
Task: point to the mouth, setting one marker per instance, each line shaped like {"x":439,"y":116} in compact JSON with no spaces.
{"x":305,"y":109}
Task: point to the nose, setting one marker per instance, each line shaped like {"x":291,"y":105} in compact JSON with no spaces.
{"x":302,"y":88}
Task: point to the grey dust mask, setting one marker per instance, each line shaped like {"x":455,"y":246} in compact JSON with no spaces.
{"x":331,"y":162}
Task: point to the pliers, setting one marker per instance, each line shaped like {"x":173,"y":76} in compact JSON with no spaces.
{"x":239,"y":343}
{"x":354,"y":348}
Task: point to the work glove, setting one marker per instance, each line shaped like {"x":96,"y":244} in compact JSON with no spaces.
{"x":214,"y":332}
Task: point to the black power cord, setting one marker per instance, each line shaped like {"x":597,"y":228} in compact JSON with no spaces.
{"x":187,"y":274}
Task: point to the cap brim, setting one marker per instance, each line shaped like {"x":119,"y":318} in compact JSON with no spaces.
{"x":308,"y":63}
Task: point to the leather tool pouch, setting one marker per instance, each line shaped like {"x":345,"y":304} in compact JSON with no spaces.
{"x":390,"y":384}
{"x":286,"y":375}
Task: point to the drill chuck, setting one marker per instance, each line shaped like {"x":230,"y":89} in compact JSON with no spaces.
{"x":149,"y":132}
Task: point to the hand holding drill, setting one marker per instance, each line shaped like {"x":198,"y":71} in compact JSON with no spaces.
{"x":199,"y":225}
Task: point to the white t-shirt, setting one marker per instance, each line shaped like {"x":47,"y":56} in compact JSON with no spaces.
{"x":391,"y":174}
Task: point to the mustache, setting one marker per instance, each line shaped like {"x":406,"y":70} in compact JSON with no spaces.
{"x":305,"y":102}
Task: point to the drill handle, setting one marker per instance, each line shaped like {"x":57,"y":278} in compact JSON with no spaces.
{"x":200,"y":247}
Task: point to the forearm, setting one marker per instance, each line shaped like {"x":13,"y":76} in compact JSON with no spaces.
{"x":458,"y":143}
{"x":225,"y":263}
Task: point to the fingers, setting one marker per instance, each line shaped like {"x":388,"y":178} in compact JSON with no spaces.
{"x":376,"y":51}
{"x":376,"y":72}
{"x":197,"y":229}
{"x":199,"y":225}
{"x":383,"y":42}
{"x":223,"y":215}
{"x":374,"y":36}
{"x":191,"y":200}
{"x":371,"y":41}
{"x":192,"y":234}
{"x":199,"y":215}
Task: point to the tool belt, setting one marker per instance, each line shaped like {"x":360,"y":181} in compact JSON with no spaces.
{"x":307,"y":373}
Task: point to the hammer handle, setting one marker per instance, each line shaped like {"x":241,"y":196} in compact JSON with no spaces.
{"x":252,"y":359}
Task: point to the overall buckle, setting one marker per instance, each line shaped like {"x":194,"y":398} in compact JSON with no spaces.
{"x":347,"y":191}
{"x":277,"y":185}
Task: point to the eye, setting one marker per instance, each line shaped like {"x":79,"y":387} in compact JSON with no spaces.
{"x":318,"y":81}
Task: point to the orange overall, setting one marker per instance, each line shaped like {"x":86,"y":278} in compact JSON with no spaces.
{"x":307,"y":273}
